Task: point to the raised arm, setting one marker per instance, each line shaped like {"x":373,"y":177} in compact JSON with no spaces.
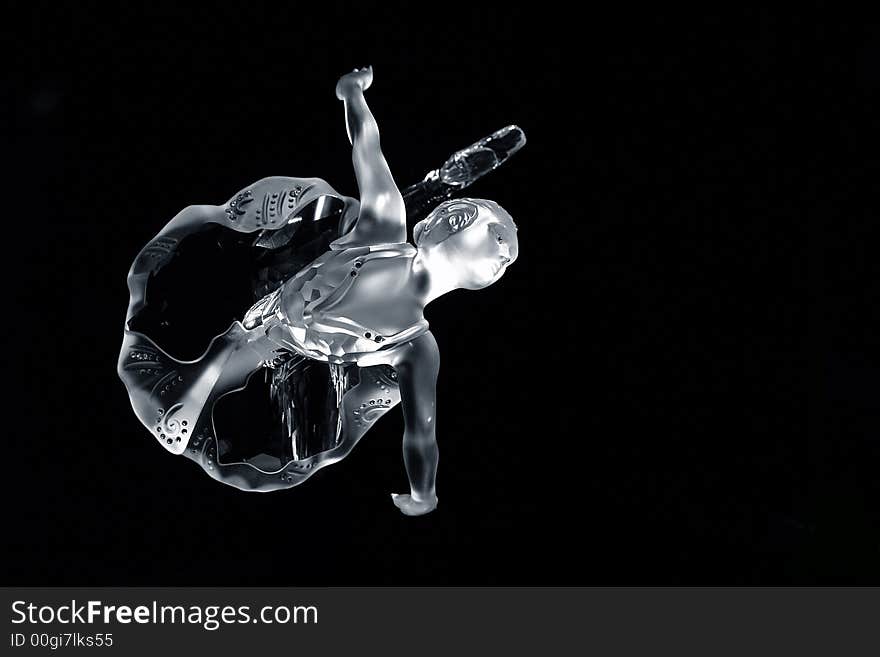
{"x":382,"y":216}
{"x":417,"y":370}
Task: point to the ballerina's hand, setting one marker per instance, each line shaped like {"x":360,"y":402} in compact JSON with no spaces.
{"x":357,"y":79}
{"x":410,"y":507}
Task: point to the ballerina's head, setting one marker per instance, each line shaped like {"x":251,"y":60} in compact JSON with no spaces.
{"x":471,"y":240}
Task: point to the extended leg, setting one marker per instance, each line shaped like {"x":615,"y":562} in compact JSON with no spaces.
{"x":382,"y":216}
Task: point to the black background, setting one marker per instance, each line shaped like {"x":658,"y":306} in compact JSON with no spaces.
{"x":626,"y":406}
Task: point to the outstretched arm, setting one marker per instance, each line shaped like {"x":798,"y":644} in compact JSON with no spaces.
{"x":382,"y":216}
{"x":417,"y":375}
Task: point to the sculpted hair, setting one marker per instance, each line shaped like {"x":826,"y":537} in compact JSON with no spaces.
{"x":451,"y":217}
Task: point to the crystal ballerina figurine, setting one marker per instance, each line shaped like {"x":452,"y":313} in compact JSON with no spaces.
{"x":337,"y":330}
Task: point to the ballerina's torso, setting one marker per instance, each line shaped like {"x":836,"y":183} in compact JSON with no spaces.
{"x":351,"y":305}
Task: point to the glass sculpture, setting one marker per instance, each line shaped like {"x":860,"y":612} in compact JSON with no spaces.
{"x":337,"y":334}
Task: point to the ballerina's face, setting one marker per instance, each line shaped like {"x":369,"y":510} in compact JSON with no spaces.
{"x":483,"y":251}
